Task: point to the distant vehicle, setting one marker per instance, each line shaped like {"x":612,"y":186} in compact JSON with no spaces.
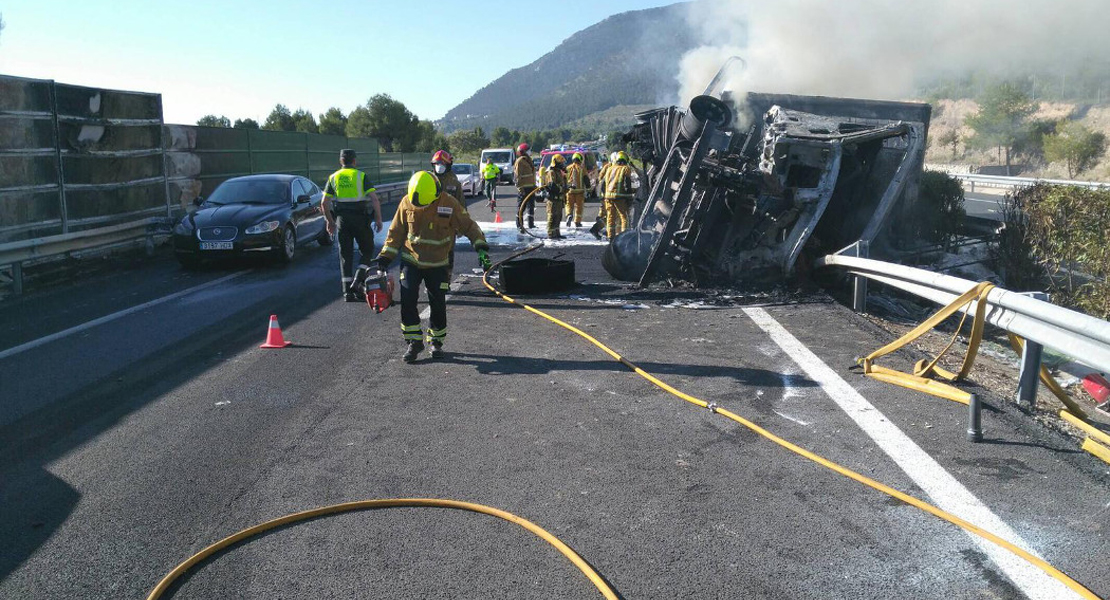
{"x":593,"y":162}
{"x":469,"y":178}
{"x":502,"y":157}
{"x":267,"y":215}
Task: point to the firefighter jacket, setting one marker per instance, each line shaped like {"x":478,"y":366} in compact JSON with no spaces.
{"x":577,"y":178}
{"x":617,"y":182}
{"x":524,"y":172}
{"x":424,"y":235}
{"x":555,"y":182}
{"x":451,"y":185}
{"x":490,"y":171}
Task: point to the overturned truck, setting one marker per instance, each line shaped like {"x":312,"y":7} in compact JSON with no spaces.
{"x":728,"y":204}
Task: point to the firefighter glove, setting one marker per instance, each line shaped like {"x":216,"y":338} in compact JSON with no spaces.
{"x":483,"y":257}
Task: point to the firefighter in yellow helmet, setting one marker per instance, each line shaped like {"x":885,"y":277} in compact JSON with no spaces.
{"x":555,"y":190}
{"x":524,"y":175}
{"x":423,"y":232}
{"x":618,"y":193}
{"x":600,"y":222}
{"x":577,"y":182}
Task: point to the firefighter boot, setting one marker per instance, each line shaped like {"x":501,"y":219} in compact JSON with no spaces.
{"x":437,"y":351}
{"x":596,"y":230}
{"x":415,"y":348}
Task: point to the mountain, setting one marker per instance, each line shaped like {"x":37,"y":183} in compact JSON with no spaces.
{"x":629,"y":59}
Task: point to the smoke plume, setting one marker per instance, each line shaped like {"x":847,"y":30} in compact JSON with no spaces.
{"x":884,"y":49}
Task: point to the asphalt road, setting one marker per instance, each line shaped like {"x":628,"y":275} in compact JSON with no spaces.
{"x":129,"y":445}
{"x":983,"y":206}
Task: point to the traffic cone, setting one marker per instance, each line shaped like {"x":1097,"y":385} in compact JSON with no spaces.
{"x":274,"y":339}
{"x":497,"y":217}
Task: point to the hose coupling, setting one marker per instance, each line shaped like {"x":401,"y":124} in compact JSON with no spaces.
{"x":712,"y":406}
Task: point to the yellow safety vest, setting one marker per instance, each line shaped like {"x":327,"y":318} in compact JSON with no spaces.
{"x":349,"y":185}
{"x":490,"y":170}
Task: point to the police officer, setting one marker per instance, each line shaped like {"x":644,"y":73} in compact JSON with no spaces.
{"x":427,"y":222}
{"x":348,"y":212}
{"x":490,"y":174}
{"x":524,"y":172}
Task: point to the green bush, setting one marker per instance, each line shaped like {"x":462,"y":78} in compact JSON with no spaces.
{"x":939,"y":213}
{"x":1058,"y":234}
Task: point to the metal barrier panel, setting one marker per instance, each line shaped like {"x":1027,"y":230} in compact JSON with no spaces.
{"x":323,"y":156}
{"x":279,"y":152}
{"x":30,"y":197}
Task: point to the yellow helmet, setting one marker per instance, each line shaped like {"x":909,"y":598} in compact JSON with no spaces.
{"x":578,"y":157}
{"x":424,"y":188}
{"x":622,"y":156}
{"x":558,"y":159}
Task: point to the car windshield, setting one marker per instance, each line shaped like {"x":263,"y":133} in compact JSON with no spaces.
{"x":463,"y":169}
{"x":498,"y":157}
{"x":251,"y":191}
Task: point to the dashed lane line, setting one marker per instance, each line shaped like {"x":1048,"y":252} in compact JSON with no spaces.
{"x":947,"y":493}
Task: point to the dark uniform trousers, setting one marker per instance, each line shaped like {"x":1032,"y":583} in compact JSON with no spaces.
{"x":437,"y":282}
{"x":353,"y":225}
{"x":528,"y":211}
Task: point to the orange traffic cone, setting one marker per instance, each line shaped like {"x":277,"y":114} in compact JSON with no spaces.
{"x":497,"y":217}
{"x":274,"y":339}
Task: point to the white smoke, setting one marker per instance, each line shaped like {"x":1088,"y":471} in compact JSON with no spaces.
{"x":884,"y":48}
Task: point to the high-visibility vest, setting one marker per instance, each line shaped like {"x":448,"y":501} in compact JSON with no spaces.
{"x":349,"y":185}
{"x":490,"y":170}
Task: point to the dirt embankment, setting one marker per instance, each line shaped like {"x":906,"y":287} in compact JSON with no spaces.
{"x":951,"y":114}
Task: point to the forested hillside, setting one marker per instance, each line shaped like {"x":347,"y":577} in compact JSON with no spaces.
{"x":627,"y":59}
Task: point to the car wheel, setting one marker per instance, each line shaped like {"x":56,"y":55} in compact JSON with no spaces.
{"x":288,"y":248}
{"x":325,"y":238}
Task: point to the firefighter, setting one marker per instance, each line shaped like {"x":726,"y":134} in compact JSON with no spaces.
{"x":425,"y":226}
{"x":442,"y":164}
{"x":555,"y":191}
{"x":490,"y":174}
{"x":599,"y":223}
{"x":347,"y":212}
{"x":577,"y":183}
{"x":617,"y":184}
{"x":524,"y":173}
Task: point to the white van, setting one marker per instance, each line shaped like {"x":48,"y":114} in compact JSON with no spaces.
{"x":503,"y":158}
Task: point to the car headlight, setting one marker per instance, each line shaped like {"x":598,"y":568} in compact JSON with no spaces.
{"x":263,"y":227}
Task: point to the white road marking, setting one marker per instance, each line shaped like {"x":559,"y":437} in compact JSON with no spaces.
{"x":112,"y":317}
{"x":946,"y":492}
{"x":789,"y":418}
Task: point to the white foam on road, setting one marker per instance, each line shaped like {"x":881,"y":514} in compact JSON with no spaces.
{"x":945,"y":491}
{"x":116,"y":315}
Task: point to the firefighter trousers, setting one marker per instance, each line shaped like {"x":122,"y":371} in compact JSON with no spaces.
{"x":351,"y":228}
{"x":529,"y":209}
{"x":616,"y":216}
{"x":437,"y":283}
{"x":554,"y":216}
{"x":576,"y":204}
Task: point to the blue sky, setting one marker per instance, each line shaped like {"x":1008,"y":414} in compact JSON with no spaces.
{"x":240,"y":58}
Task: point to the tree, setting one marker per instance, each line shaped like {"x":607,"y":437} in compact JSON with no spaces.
{"x":429,"y":139}
{"x":333,"y":122}
{"x":614,"y":141}
{"x":280,"y":119}
{"x":1001,"y":120}
{"x":468,"y":141}
{"x":388,"y":120}
{"x":950,"y":138}
{"x":304,"y":121}
{"x":247,"y":123}
{"x":501,"y":137}
{"x":214,"y":121}
{"x":1074,"y":145}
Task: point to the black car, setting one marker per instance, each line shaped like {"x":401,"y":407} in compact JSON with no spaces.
{"x":259,"y":214}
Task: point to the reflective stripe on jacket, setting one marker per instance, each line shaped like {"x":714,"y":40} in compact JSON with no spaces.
{"x":617,"y":182}
{"x":424,"y":235}
{"x":576,"y":176}
{"x":490,"y":171}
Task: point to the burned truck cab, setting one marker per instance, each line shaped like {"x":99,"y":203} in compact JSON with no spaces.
{"x":739,"y":194}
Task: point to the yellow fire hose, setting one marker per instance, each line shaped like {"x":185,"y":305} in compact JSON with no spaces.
{"x":250,"y":532}
{"x":860,"y":478}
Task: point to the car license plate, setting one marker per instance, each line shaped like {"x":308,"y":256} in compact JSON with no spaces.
{"x":217,"y":245}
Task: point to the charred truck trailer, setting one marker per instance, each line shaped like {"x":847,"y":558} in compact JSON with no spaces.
{"x":726,"y":204}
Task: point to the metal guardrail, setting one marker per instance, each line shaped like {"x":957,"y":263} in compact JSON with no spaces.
{"x":1082,"y":337}
{"x":1001,"y":181}
{"x":16,"y":253}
